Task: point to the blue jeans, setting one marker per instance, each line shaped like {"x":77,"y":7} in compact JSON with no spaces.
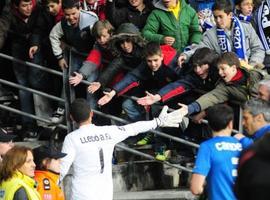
{"x":29,"y":77}
{"x":134,"y":111}
{"x":74,"y":62}
{"x":92,"y":98}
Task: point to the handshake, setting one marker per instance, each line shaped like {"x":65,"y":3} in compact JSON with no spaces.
{"x":172,"y":119}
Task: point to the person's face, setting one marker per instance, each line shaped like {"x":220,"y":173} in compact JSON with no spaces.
{"x":5,"y":146}
{"x":249,"y":122}
{"x":202,"y":71}
{"x":263,"y":93}
{"x":127,"y":46}
{"x":104,"y":38}
{"x":25,"y":8}
{"x":222,"y":19}
{"x":28,"y":168}
{"x":246,"y":7}
{"x":135,"y":3}
{"x":54,"y":165}
{"x":227,"y":72}
{"x":154,"y":62}
{"x":72,"y":15}
{"x":169,"y":3}
{"x":54,"y":8}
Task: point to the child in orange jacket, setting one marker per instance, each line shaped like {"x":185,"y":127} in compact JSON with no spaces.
{"x":47,"y":173}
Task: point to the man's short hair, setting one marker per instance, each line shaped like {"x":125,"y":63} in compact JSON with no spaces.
{"x":17,"y":2}
{"x":100,"y":25}
{"x":219,"y":116}
{"x":229,"y":58}
{"x":80,"y":110}
{"x":152,"y":49}
{"x":258,"y":106}
{"x":68,"y":4}
{"x":204,"y":56}
{"x":224,"y":5}
{"x":46,"y":2}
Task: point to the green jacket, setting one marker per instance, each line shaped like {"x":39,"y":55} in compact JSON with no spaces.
{"x":238,"y":91}
{"x":161,"y":23}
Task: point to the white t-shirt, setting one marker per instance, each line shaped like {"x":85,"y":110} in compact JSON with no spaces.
{"x":90,"y":150}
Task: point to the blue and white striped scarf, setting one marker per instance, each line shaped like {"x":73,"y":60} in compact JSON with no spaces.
{"x":238,"y":39}
{"x":244,"y":17}
{"x":264,"y":24}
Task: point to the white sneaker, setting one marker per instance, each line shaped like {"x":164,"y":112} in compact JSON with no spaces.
{"x":58,"y":116}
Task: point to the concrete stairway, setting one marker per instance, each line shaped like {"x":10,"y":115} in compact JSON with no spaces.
{"x":175,"y":194}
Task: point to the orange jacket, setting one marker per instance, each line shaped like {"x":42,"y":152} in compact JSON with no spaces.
{"x":47,"y":185}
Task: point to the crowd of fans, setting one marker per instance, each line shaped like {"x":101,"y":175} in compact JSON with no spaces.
{"x":194,"y":55}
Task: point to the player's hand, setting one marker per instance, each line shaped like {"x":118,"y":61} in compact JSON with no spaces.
{"x":174,"y":118}
{"x":149,"y":99}
{"x":75,"y":80}
{"x":106,"y":98}
{"x":182,"y":58}
{"x":93,"y":87}
{"x":168,"y":40}
{"x":32,"y":51}
{"x":166,"y":119}
{"x":62,"y":63}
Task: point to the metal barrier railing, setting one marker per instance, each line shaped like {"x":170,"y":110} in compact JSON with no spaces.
{"x":63,"y":100}
{"x":19,"y":112}
{"x":152,"y":158}
{"x":5,"y":82}
{"x":7,"y":108}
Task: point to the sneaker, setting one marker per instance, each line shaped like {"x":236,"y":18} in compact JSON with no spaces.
{"x":163,"y":156}
{"x":58,"y":116}
{"x":146,"y":140}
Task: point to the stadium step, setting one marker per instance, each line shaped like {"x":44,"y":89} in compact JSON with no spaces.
{"x":179,"y":194}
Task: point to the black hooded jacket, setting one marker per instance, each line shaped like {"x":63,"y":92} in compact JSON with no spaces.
{"x":128,"y":14}
{"x":123,"y":61}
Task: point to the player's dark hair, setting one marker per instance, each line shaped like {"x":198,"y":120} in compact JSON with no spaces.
{"x":219,"y":116}
{"x":80,"y":110}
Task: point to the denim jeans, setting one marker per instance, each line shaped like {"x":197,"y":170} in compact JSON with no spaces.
{"x":29,"y":77}
{"x":74,"y":62}
{"x":92,"y":98}
{"x":134,"y":111}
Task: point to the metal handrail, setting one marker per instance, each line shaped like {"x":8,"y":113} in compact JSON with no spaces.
{"x":62,"y":100}
{"x":152,"y":158}
{"x":11,"y":58}
{"x":95,"y":111}
{"x":61,"y":73}
{"x":30,"y":116}
{"x":32,"y":90}
{"x":153,"y":131}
